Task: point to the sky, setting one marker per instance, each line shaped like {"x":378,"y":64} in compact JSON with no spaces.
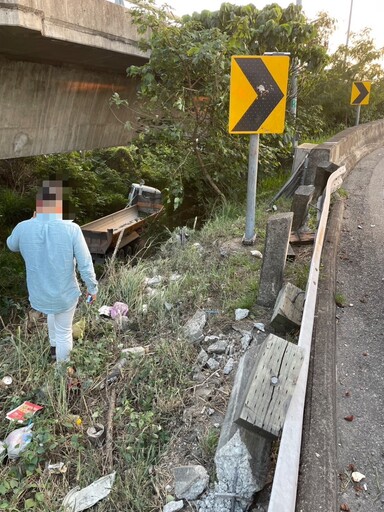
{"x":365,"y":13}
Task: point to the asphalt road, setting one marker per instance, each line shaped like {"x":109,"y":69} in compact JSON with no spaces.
{"x":360,"y":338}
{"x":344,"y":416}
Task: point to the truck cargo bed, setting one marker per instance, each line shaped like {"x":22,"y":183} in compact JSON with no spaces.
{"x":115,"y":221}
{"x":102,"y":234}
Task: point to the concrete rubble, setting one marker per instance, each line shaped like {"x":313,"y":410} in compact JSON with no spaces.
{"x":219,"y":347}
{"x":240,"y":314}
{"x":193,"y":329}
{"x":173,"y":506}
{"x":190,"y":481}
{"x":242,"y":457}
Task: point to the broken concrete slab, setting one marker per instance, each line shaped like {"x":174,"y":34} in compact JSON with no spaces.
{"x":219,"y":347}
{"x":288,"y":309}
{"x":190,"y":481}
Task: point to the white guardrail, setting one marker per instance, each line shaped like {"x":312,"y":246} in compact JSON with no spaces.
{"x":285,"y":481}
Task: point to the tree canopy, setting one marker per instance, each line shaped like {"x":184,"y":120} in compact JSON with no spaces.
{"x":185,"y":87}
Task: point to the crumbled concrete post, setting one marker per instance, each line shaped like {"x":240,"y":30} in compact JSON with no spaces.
{"x":288,"y":309}
{"x":275,"y":255}
{"x":258,"y":446}
{"x":190,"y":481}
{"x":234,"y":469}
{"x":300,"y":204}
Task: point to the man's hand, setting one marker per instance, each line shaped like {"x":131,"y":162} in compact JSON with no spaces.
{"x":91,"y":298}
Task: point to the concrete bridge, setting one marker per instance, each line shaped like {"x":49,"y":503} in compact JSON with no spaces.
{"x":60,"y":63}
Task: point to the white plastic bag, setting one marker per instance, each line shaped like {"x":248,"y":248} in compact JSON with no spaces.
{"x":18,"y":440}
{"x":80,"y":499}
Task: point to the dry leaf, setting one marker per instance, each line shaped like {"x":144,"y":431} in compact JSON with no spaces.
{"x":345,"y":507}
{"x":349,"y":418}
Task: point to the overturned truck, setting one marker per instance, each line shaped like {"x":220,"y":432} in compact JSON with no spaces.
{"x":120,"y":231}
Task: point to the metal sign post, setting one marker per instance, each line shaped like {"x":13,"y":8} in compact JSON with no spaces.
{"x":358,"y":115}
{"x":258,"y":92}
{"x":360,"y":96}
{"x":253,"y":162}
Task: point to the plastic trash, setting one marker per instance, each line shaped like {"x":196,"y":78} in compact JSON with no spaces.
{"x":17,"y":441}
{"x":119,"y":309}
{"x":78,"y":329}
{"x":23,"y":412}
{"x":117,"y":371}
{"x":56,"y":469}
{"x":6,"y":381}
{"x":105,"y":311}
{"x":357,"y":477}
{"x":96,"y":434}
{"x":80,"y":499}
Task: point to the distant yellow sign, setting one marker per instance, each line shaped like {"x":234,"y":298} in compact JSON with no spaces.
{"x":258,"y":94}
{"x":360,"y":93}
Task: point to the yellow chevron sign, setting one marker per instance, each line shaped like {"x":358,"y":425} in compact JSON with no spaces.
{"x":360,"y":93}
{"x":258,"y":94}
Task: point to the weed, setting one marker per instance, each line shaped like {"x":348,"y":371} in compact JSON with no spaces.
{"x":340,"y":300}
{"x":297,"y":273}
{"x":342,"y":193}
{"x":208,"y":443}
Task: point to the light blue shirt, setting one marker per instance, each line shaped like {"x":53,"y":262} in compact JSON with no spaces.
{"x":51,"y":247}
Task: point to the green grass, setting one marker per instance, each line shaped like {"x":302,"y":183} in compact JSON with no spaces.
{"x":216,"y":272}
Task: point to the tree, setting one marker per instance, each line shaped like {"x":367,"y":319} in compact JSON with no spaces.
{"x":330,"y":89}
{"x":185,"y":86}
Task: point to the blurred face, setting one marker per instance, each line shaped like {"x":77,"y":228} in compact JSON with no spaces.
{"x":50,"y":198}
{"x":49,"y":206}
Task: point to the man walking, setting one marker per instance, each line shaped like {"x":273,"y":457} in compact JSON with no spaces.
{"x":51,"y":247}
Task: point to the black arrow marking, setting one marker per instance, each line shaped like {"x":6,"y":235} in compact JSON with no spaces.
{"x":268,"y":94}
{"x":363,"y":93}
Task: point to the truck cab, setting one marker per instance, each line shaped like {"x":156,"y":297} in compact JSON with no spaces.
{"x":147,"y":198}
